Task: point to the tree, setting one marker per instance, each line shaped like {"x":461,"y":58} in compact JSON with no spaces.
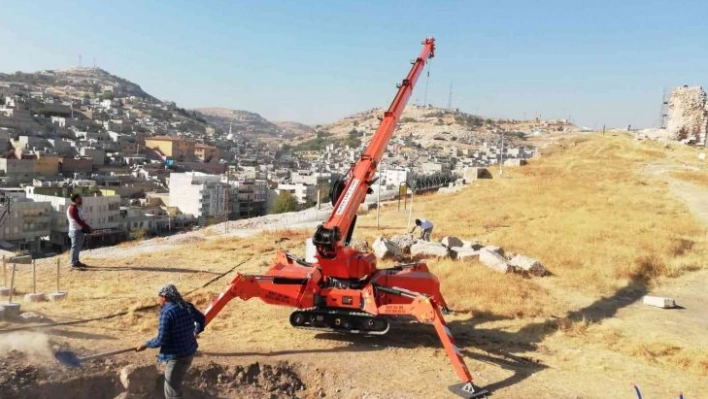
{"x":286,"y":202}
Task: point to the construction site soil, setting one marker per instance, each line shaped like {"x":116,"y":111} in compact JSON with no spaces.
{"x":24,"y":378}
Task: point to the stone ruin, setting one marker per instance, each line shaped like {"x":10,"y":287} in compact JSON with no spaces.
{"x":688,"y":115}
{"x":407,"y":248}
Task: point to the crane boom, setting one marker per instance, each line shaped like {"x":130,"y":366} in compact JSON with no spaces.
{"x":328,"y":237}
{"x":344,"y":291}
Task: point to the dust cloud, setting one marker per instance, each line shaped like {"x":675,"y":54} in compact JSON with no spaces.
{"x":34,"y":345}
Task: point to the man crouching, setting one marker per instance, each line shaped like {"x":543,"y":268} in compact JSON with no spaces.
{"x":180,"y":324}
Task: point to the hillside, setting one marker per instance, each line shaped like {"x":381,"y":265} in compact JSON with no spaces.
{"x":431,"y":126}
{"x":252,"y":124}
{"x":78,"y":82}
{"x":604,"y":214}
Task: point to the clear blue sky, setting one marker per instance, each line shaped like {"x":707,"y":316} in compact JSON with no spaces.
{"x":316,"y":61}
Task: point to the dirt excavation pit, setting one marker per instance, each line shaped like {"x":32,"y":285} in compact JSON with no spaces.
{"x":22,"y":379}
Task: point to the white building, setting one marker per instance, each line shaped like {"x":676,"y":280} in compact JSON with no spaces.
{"x":305,"y":194}
{"x":394,"y":177}
{"x":198,"y":194}
{"x":97,"y":155}
{"x":100,"y":212}
{"x":26,"y":222}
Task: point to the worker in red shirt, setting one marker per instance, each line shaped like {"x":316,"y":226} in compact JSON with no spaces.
{"x":78,"y":228}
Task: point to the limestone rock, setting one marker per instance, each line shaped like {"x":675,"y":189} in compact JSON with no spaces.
{"x":425,"y":249}
{"x":404,"y":242}
{"x":462,"y":253}
{"x":492,"y":248}
{"x":31,"y":316}
{"x":525,"y":264}
{"x":384,"y":248}
{"x":451,"y":242}
{"x":472,"y":245}
{"x":138,"y":379}
{"x":493,"y":260}
{"x":360,"y":245}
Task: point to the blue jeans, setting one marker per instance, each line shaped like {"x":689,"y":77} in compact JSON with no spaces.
{"x":77,"y":241}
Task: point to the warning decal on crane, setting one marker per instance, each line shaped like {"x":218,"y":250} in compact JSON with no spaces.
{"x":347,"y":196}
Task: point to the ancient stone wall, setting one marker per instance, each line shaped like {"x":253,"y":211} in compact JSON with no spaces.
{"x":688,"y":114}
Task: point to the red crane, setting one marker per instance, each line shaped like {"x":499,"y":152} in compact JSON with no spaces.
{"x":344,"y":291}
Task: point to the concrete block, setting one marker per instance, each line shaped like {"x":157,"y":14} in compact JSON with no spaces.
{"x":659,"y":302}
{"x":37,"y":297}
{"x":12,"y":310}
{"x":57,"y":296}
{"x":4,"y":291}
{"x":21,"y":260}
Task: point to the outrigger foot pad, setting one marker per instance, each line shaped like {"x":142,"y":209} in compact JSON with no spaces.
{"x":469,"y":391}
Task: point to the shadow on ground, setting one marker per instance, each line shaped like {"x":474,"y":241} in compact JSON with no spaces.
{"x":145,"y":269}
{"x":502,"y":349}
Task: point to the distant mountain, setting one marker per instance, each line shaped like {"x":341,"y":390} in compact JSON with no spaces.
{"x":252,"y":124}
{"x":301,"y":130}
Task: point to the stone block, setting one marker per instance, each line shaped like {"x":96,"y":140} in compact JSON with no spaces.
{"x":12,"y":310}
{"x":451,"y":242}
{"x":493,"y":260}
{"x":462,"y":253}
{"x":36,"y":297}
{"x":57,"y":296}
{"x":527,"y":265}
{"x":425,"y":249}
{"x":659,"y":302}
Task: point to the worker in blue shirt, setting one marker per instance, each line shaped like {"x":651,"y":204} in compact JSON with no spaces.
{"x":426,"y":228}
{"x":180,"y":324}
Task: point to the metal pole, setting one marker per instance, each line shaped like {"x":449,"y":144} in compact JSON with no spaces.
{"x":501,"y":155}
{"x":34,"y":276}
{"x":378,"y":205}
{"x":226,"y":205}
{"x":58,"y":275}
{"x":4,"y":272}
{"x":410,"y":213}
{"x":12,"y":283}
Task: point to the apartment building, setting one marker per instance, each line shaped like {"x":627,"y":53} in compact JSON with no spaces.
{"x":100,"y":212}
{"x":198,"y":194}
{"x":206,"y":153}
{"x":25,"y":223}
{"x":249,"y":199}
{"x":304,"y":193}
{"x":180,"y":150}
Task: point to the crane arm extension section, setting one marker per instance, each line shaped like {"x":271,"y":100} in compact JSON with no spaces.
{"x":330,"y":234}
{"x":250,"y":286}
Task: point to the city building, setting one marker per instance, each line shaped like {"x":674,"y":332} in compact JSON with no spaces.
{"x":206,"y":153}
{"x":180,"y":150}
{"x":24,"y":224}
{"x":198,"y":194}
{"x":100,"y":212}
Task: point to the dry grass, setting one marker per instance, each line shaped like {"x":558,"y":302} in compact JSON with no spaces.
{"x":699,"y":178}
{"x":584,"y":209}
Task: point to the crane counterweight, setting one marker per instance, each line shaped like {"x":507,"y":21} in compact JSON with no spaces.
{"x":343,"y":290}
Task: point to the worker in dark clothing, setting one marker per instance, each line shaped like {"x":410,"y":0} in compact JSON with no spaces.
{"x":78,"y":228}
{"x":180,"y":325}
